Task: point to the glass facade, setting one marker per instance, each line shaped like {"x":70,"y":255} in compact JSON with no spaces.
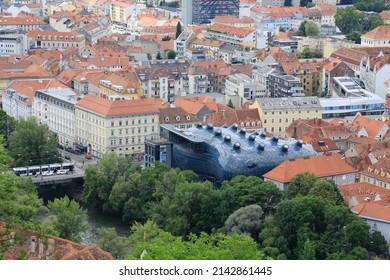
{"x":224,"y":152}
{"x":203,"y":11}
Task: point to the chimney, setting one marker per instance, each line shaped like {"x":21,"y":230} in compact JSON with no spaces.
{"x":41,"y":247}
{"x":223,"y":114}
{"x":295,"y":136}
{"x":33,"y":244}
{"x":12,"y":237}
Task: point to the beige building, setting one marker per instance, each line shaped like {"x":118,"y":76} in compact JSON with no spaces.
{"x":56,"y":40}
{"x":278,"y":113}
{"x":116,"y":124}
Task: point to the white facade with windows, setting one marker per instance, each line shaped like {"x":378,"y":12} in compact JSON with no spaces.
{"x":55,"y":107}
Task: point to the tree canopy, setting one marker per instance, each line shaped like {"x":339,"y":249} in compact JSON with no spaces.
{"x":67,"y":218}
{"x":349,"y":20}
{"x":311,"y":29}
{"x":33,"y":144}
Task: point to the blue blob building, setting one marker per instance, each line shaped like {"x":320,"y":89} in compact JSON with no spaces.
{"x":221,"y":153}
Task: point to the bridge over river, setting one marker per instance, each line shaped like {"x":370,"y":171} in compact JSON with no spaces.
{"x":76,"y":175}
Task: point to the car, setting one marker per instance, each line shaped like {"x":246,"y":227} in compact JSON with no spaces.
{"x":88,"y":157}
{"x":62,"y":172}
{"x":68,"y":157}
{"x":47,"y":173}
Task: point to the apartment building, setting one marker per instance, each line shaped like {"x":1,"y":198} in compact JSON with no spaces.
{"x":281,"y":85}
{"x":12,"y":41}
{"x":230,"y":34}
{"x":277,"y":113}
{"x":23,"y":21}
{"x":18,"y":97}
{"x":378,"y":37}
{"x":116,"y":124}
{"x":56,"y":40}
{"x":55,"y":107}
{"x":164,"y":80}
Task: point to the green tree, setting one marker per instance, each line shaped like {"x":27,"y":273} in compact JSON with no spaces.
{"x":198,"y":247}
{"x":348,"y":20}
{"x":246,"y":220}
{"x":19,"y":202}
{"x":243,"y":191}
{"x":304,"y":3}
{"x":311,"y":29}
{"x":33,"y":144}
{"x":158,"y":56}
{"x":287,"y":3}
{"x":67,"y":218}
{"x":378,"y":243}
{"x":7,"y":126}
{"x":354,"y":36}
{"x":230,"y":104}
{"x":302,"y":29}
{"x":171,"y":54}
{"x":110,"y":241}
{"x":301,"y":184}
{"x":178,"y":30}
{"x":4,"y":158}
{"x":100,"y":179}
{"x":327,"y":189}
{"x":149,"y":56}
{"x":374,"y":22}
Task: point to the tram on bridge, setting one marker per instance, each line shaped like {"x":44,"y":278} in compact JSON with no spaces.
{"x":42,"y":169}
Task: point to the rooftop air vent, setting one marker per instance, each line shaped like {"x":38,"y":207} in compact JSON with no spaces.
{"x":199,"y":125}
{"x":250,"y":164}
{"x":242,"y":131}
{"x":210,"y":126}
{"x":263,"y":135}
{"x":237,"y":146}
{"x":261,"y":147}
{"x":227,"y":138}
{"x":218,"y":132}
{"x":285,"y":148}
{"x":252,"y":137}
{"x":300,"y":143}
{"x":275,"y":138}
{"x":235,"y":126}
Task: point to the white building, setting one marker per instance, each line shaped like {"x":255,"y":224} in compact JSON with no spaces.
{"x":374,"y":72}
{"x":348,"y":98}
{"x":55,"y":107}
{"x":13,"y":42}
{"x":182,"y":43}
{"x":378,"y":37}
{"x":18,"y":96}
{"x":244,"y":87}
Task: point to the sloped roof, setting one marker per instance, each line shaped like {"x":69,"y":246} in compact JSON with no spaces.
{"x":379,"y":33}
{"x":106,"y":107}
{"x":372,"y":126}
{"x":373,"y":210}
{"x":326,"y":165}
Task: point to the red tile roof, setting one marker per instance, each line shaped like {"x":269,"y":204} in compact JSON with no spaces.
{"x":327,"y":165}
{"x":379,"y":33}
{"x":105,"y":107}
{"x":373,"y":210}
{"x":363,"y":192}
{"x":372,"y":126}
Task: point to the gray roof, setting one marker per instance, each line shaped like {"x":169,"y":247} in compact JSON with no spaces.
{"x":307,"y":102}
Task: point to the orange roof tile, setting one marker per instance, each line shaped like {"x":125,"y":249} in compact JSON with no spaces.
{"x":231,"y":30}
{"x":379,"y":33}
{"x":30,"y":87}
{"x":372,"y":126}
{"x":363,"y":192}
{"x":373,"y":210}
{"x":327,"y":165}
{"x":105,"y":107}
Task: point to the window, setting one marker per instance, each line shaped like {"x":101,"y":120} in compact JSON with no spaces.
{"x":112,"y":132}
{"x":112,"y":123}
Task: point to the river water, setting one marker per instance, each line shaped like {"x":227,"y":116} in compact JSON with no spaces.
{"x":95,"y":218}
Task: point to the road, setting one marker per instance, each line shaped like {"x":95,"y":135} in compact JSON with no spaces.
{"x":78,"y":160}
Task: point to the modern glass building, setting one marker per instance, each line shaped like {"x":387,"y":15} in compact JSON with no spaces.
{"x":224,"y":152}
{"x":203,"y":11}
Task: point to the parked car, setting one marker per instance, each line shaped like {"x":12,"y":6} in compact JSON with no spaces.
{"x":62,"y":172}
{"x":88,"y":157}
{"x":47,"y":173}
{"x":68,"y":157}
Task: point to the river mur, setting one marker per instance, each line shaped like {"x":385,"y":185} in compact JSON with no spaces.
{"x":95,"y":217}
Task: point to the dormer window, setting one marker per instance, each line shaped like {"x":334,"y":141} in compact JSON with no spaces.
{"x":177,"y":118}
{"x":167,"y":119}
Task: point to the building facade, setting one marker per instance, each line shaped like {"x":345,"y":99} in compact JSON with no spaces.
{"x":116,"y":125}
{"x":55,"y":107}
{"x":203,"y":11}
{"x":277,"y":113}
